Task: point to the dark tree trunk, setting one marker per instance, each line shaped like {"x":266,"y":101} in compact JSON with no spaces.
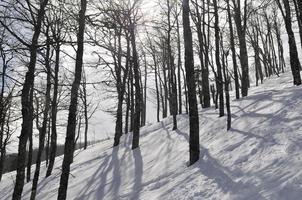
{"x":86,"y":118}
{"x":166,"y":92}
{"x":179,"y":65}
{"x":127,"y":107}
{"x":48,"y":142}
{"x":189,"y":66}
{"x":119,"y":88}
{"x":186,"y":92}
{"x":53,"y":140}
{"x":136,"y":123}
{"x":156,"y":86}
{"x":241,"y":31}
{"x":171,"y":70}
{"x":258,"y":66}
{"x":294,"y":59}
{"x":132,"y":98}
{"x":30,"y":141}
{"x":2,"y":112}
{"x":205,"y":70}
{"x":128,"y":86}
{"x":71,"y":126}
{"x":43,"y":129}
{"x":145,"y":94}
{"x":200,"y":26}
{"x":162,"y":97}
{"x":119,"y":121}
{"x":226,"y":86}
{"x":26,"y":104}
{"x":298,"y":8}
{"x":217,"y":56}
{"x":2,"y":159}
{"x":232,"y":45}
{"x":280,"y":44}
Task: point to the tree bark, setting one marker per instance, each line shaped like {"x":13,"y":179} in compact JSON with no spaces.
{"x":241,"y":31}
{"x":217,"y":56}
{"x":179,"y":65}
{"x":232,"y":45}
{"x":26,"y":104}
{"x":53,"y":140}
{"x":71,"y":126}
{"x":189,"y":66}
{"x":294,"y":59}
{"x":136,"y":123}
{"x":43,"y":129}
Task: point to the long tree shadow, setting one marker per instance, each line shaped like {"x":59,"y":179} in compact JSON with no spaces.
{"x":116,"y":177}
{"x":186,"y":136}
{"x":138,"y":168}
{"x":266,"y":139}
{"x":86,"y":192}
{"x":212,"y":169}
{"x":99,"y":179}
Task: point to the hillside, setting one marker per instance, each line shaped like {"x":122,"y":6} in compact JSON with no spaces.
{"x":260,"y":158}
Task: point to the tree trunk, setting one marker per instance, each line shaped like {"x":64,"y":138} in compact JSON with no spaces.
{"x":294,"y":59}
{"x":156,"y":86}
{"x":132,"y":98}
{"x":200,"y":23}
{"x":232,"y":46}
{"x":119,"y":120}
{"x":217,"y":56}
{"x":2,"y":114}
{"x":26,"y":104}
{"x":43,"y":130}
{"x":71,"y":126}
{"x":145,"y":94}
{"x":243,"y":49}
{"x":53,"y":140}
{"x":136,"y":123}
{"x":48,"y":142}
{"x":298,"y":8}
{"x":226,"y":86}
{"x":179,"y":64}
{"x":30,"y":141}
{"x":189,"y":66}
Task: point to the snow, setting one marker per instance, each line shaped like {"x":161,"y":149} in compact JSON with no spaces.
{"x":259,"y":158}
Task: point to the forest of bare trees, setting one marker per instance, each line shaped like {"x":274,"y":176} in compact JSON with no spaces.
{"x":193,"y":55}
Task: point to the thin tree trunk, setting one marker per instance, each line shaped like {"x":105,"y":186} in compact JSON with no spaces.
{"x":2,"y":114}
{"x":132,"y":98}
{"x":53,"y":140}
{"x":217,"y":56}
{"x":43,"y":130}
{"x":157,"y":90}
{"x":232,"y":44}
{"x":48,"y":142}
{"x":179,"y":64}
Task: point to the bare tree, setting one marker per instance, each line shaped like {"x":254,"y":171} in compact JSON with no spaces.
{"x":71,"y":126}
{"x":189,"y":66}
{"x":294,"y":59}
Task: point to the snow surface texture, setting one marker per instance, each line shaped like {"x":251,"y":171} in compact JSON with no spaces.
{"x":260,"y":158}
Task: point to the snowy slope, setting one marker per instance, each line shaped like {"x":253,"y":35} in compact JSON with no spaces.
{"x":260,"y":158}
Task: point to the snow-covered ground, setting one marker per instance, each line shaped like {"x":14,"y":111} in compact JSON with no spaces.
{"x":260,"y":158}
